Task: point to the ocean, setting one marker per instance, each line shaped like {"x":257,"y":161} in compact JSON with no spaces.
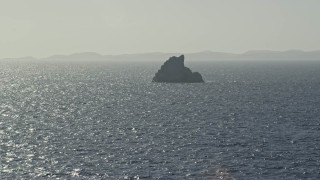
{"x":107,"y":120}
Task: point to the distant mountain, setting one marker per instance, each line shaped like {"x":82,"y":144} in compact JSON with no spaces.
{"x":280,"y":55}
{"x":262,"y":55}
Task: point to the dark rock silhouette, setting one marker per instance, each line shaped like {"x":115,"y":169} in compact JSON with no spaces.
{"x":174,"y":71}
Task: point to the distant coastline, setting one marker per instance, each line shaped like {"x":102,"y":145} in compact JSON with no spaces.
{"x":198,"y":56}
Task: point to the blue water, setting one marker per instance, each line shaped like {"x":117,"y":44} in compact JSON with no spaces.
{"x":250,"y":120}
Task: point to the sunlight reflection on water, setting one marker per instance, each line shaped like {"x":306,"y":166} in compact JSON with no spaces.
{"x":110,"y":122}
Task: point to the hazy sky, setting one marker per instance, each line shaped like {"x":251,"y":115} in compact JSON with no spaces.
{"x":45,"y":27}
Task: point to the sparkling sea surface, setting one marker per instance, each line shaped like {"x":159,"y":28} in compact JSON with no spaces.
{"x":250,"y":120}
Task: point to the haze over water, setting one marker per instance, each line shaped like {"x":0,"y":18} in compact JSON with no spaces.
{"x":68,"y":112}
{"x":108,"y":121}
{"x":44,"y":28}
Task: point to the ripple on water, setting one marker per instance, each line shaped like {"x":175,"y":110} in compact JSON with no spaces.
{"x":105,"y":121}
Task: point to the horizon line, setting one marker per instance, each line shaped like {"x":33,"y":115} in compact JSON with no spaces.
{"x":158,"y":52}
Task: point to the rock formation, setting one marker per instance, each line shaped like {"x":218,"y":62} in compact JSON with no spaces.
{"x":174,"y":71}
